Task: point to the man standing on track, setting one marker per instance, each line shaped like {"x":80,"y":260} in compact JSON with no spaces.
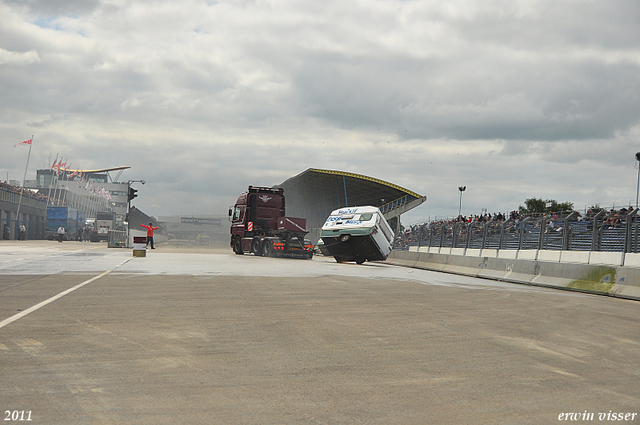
{"x":150,"y":230}
{"x":60,"y":233}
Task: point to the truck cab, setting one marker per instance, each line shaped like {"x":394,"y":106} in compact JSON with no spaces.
{"x":259,"y":225}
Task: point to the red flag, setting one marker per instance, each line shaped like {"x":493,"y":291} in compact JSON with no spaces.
{"x":54,"y":164}
{"x":24,"y":142}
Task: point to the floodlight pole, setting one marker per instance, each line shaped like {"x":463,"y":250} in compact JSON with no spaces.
{"x":461,"y":189}
{"x":638,"y":184}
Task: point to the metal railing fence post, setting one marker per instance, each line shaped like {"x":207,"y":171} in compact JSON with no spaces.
{"x":595,"y":246}
{"x":485,"y":232}
{"x":454,"y":236}
{"x":523,"y":223}
{"x":627,"y":230}
{"x":541,"y":238}
{"x":566,"y":230}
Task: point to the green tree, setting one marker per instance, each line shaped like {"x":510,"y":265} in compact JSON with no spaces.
{"x":539,"y":206}
{"x":532,"y":206}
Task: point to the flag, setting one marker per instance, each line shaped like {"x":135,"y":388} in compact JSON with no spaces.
{"x":24,"y":142}
{"x":54,"y":164}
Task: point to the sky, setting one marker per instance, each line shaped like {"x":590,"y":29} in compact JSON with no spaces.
{"x":513,"y":99}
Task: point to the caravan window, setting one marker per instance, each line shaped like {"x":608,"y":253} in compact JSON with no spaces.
{"x":366,"y":217}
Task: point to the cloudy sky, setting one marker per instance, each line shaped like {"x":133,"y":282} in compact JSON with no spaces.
{"x":512,"y":98}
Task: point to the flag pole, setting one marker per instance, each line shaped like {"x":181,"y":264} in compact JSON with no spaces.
{"x":51,"y":181}
{"x":22,"y":189}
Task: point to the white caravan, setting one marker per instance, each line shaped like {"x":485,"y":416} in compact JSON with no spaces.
{"x":357,"y":234}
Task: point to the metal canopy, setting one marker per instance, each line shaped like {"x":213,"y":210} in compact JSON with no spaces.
{"x":314,"y":193}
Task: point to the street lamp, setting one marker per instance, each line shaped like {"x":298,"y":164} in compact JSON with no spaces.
{"x":638,"y":185}
{"x":461,"y":189}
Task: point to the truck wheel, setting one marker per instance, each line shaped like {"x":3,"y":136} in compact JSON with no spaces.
{"x":237,"y":246}
{"x":360,"y":260}
{"x":266,"y":248}
{"x":256,"y":247}
{"x":344,"y":238}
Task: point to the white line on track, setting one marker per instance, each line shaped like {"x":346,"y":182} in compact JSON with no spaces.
{"x":20,"y":315}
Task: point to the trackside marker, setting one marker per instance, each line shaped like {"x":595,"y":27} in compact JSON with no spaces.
{"x":20,"y":315}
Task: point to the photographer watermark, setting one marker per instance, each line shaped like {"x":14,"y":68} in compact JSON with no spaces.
{"x":599,"y":416}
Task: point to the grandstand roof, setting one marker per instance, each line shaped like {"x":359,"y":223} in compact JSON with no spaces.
{"x":314,"y":193}
{"x":101,"y":170}
{"x":361,"y":189}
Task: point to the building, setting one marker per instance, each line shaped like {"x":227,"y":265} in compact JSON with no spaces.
{"x":87,"y":190}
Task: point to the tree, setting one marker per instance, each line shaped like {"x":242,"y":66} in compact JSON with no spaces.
{"x":532,"y":206}
{"x":538,"y":206}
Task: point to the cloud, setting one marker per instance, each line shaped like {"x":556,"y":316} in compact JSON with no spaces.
{"x":512,"y":98}
{"x":18,"y":58}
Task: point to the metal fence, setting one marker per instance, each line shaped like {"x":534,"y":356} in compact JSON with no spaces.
{"x":13,"y":198}
{"x":599,"y":232}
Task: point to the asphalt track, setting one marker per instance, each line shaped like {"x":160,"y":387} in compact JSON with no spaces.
{"x":90,"y":335}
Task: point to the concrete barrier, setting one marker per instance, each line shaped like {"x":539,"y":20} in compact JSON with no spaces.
{"x":527,"y":254}
{"x":510,"y":254}
{"x":473,"y":252}
{"x":404,"y":258}
{"x":553,"y":256}
{"x":632,"y":260}
{"x":581,"y":257}
{"x":491,"y":253}
{"x":607,"y":258}
{"x":600,"y":278}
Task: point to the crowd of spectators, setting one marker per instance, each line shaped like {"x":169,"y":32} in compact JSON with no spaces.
{"x":512,"y":222}
{"x":31,"y":194}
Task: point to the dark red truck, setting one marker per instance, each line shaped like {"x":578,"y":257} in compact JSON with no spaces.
{"x":259,"y":226}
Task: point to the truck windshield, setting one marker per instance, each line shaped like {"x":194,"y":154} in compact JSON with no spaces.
{"x":236,"y":214}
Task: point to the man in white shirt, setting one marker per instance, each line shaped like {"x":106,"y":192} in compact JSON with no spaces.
{"x":60,"y":233}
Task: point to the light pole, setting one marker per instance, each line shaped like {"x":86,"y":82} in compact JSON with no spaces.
{"x":131,"y":193}
{"x":461,"y":189}
{"x":638,"y":185}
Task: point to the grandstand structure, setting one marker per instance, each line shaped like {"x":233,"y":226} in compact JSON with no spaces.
{"x":33,"y":212}
{"x":314,"y":193}
{"x":606,"y":231}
